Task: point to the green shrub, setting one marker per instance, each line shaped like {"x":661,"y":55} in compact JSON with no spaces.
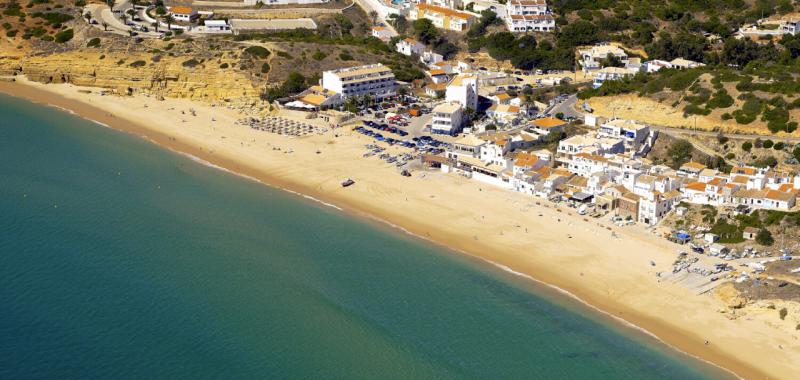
{"x":730,"y":156}
{"x":284,"y":54}
{"x":764,"y":237}
{"x":94,"y":42}
{"x":265,"y":68}
{"x":767,"y":144}
{"x":747,"y":146}
{"x":190,"y":63}
{"x":53,"y":18}
{"x":138,"y":63}
{"x":345,"y":56}
{"x":778,"y":145}
{"x":257,"y":51}
{"x":319,"y":55}
{"x":11,"y":33}
{"x":64,"y":36}
{"x":223,"y":66}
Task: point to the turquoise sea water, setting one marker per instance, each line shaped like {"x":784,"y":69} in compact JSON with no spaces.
{"x":122,"y":260}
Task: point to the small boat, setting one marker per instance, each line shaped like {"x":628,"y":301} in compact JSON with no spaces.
{"x":348,"y":182}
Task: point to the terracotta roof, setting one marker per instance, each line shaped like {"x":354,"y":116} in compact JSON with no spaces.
{"x":779,"y":196}
{"x":314,"y":99}
{"x":743,"y":170}
{"x":504,"y":108}
{"x":181,"y":10}
{"x":549,"y":122}
{"x":445,"y":11}
{"x":378,"y":28}
{"x":696,"y":186}
{"x":693,"y":165}
{"x":503,"y":96}
{"x":716,"y":182}
{"x":437,"y":72}
{"x":739,"y":179}
{"x":525,"y":159}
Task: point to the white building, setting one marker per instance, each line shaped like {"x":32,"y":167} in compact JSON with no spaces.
{"x":375,"y":80}
{"x":571,"y":146}
{"x":683,"y":64}
{"x":464,"y":90}
{"x":184,"y":14}
{"x":217,"y":25}
{"x":447,"y":119}
{"x":410,"y":46}
{"x":529,"y":15}
{"x":431,"y":58}
{"x":444,"y":18}
{"x":611,"y":73}
{"x":791,"y":26}
{"x":591,"y":58}
{"x":654,"y":206}
{"x":382,"y":33}
{"x":633,"y":133}
{"x":655,"y":65}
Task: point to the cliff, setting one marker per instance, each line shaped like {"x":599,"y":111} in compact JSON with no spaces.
{"x":130,"y":73}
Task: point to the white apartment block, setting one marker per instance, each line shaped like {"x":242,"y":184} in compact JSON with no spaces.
{"x":634,"y":134}
{"x":447,"y":119}
{"x":529,"y":15}
{"x":612,"y":73}
{"x":374,"y":80}
{"x":463,"y":89}
{"x":444,"y":18}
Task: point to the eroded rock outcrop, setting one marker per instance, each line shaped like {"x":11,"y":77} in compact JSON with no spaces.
{"x":132,"y":73}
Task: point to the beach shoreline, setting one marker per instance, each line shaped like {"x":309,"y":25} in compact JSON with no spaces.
{"x":612,"y":298}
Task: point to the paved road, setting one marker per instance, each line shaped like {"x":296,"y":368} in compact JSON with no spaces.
{"x":567,"y":107}
{"x":367,"y":6}
{"x":689,"y":132}
{"x":102,"y":13}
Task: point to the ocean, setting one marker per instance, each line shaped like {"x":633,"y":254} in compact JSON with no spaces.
{"x":120,"y":259}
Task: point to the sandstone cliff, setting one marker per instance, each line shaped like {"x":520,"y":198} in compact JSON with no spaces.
{"x":130,"y":73}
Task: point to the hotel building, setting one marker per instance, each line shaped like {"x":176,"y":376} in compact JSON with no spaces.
{"x":374,"y":80}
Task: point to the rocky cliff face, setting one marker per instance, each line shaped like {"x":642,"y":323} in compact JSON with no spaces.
{"x":132,"y":73}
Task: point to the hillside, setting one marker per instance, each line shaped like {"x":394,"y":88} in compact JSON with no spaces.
{"x":52,"y":41}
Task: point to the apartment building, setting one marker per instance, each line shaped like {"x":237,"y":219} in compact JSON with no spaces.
{"x":463,"y":89}
{"x":447,"y":119}
{"x":632,"y":133}
{"x":444,"y":18}
{"x":374,"y":80}
{"x":529,"y":15}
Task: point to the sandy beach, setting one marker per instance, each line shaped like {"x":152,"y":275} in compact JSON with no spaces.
{"x":613,"y":273}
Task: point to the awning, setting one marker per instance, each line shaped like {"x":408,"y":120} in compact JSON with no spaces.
{"x":581,"y":197}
